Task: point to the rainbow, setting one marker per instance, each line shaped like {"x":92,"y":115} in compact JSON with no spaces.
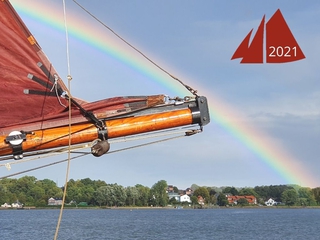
{"x":225,"y":116}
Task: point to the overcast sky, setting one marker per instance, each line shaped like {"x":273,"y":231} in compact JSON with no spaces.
{"x":193,"y":40}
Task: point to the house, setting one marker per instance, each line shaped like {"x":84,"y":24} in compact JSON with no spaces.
{"x":17,"y":204}
{"x":234,"y":199}
{"x":270,"y":202}
{"x":170,"y":188}
{"x":189,"y":191}
{"x":201,"y":200}
{"x":6,"y":205}
{"x":174,"y":195}
{"x":185,"y":198}
{"x":54,"y":202}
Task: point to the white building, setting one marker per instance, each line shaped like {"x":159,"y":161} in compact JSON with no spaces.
{"x":271,"y":202}
{"x":17,"y":204}
{"x":54,"y":202}
{"x":5,"y":205}
{"x":185,"y":198}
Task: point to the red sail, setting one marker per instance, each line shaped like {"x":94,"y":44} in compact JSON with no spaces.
{"x":35,"y":116}
{"x":281,"y":45}
{"x":30,"y":95}
{"x":254,"y":54}
{"x":23,"y":98}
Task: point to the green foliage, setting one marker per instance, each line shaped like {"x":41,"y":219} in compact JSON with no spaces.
{"x":247,"y":192}
{"x":144,"y":195}
{"x":290,"y":197}
{"x":306,"y":197}
{"x":132,"y":196}
{"x":194,"y":187}
{"x":173,"y":201}
{"x":33,"y":192}
{"x":194,"y":200}
{"x":316,"y":194}
{"x":158,"y":194}
{"x":242,"y":202}
{"x":28,"y":190}
{"x":231,"y":190}
{"x":222,"y":200}
{"x":203,"y":192}
{"x":272,"y":191}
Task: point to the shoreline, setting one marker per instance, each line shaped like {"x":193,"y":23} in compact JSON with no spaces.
{"x":162,"y":208}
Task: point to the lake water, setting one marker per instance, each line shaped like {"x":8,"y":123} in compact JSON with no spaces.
{"x":264,"y":223}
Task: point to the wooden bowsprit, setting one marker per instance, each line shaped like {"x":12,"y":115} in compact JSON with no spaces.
{"x":166,"y":116}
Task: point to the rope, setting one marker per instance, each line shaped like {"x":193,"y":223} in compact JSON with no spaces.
{"x":190,"y":89}
{"x":87,"y":153}
{"x":43,"y":166}
{"x":69,"y":102}
{"x":75,"y":148}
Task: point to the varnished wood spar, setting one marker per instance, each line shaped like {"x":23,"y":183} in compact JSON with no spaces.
{"x":82,"y":133}
{"x":148,"y":123}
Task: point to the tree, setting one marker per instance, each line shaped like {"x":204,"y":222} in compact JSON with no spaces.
{"x":232,"y":190}
{"x":212,"y":191}
{"x":173,"y":201}
{"x":37,"y":192}
{"x":109,"y":195}
{"x":242,"y":202}
{"x":73,"y":193}
{"x":290,"y":197}
{"x":306,"y":197}
{"x":50,"y":190}
{"x":194,"y":200}
{"x":247,"y":192}
{"x":194,"y":187}
{"x":132,"y":196}
{"x":316,"y":194}
{"x":262,"y":192}
{"x":4,"y":198}
{"x":203,"y":192}
{"x":222,"y":200}
{"x":276,"y":191}
{"x":105,"y":195}
{"x":87,"y":192}
{"x":212,"y":196}
{"x":119,"y":195}
{"x":99,"y":196}
{"x":144,"y":194}
{"x":159,"y":196}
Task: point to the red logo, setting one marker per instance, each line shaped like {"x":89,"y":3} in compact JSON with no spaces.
{"x":281,"y":46}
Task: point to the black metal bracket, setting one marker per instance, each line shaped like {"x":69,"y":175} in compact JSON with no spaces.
{"x":15,"y":139}
{"x":204,"y":110}
{"x":103,"y":133}
{"x":200,"y":112}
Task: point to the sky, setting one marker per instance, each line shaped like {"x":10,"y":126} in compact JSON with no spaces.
{"x":265,"y":118}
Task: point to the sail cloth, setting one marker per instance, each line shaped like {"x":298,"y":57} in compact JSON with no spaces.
{"x":30,"y":88}
{"x":19,"y":55}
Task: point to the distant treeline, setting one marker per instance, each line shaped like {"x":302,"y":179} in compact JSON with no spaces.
{"x":33,"y":192}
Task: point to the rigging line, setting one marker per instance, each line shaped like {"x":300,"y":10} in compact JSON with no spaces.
{"x":193,"y":91}
{"x":43,"y":166}
{"x":84,"y":154}
{"x":69,"y":102}
{"x":74,"y":148}
{"x":26,"y":160}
